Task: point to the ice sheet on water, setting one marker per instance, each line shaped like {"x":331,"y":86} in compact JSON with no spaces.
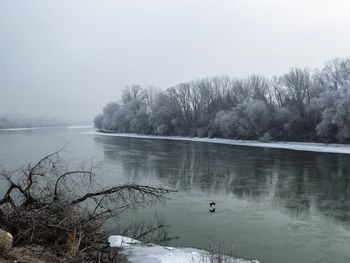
{"x":138,"y":252}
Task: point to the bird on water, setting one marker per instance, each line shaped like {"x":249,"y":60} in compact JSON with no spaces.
{"x":212,"y":210}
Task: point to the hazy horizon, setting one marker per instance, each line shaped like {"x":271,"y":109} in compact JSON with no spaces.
{"x":67,"y":59}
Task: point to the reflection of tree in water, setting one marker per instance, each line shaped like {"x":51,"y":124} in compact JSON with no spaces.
{"x":296,"y":181}
{"x":292,"y":189}
{"x":334,"y":187}
{"x":315,"y":181}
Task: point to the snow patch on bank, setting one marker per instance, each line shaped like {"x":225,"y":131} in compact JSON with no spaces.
{"x":80,"y":127}
{"x":296,"y":146}
{"x":138,"y":252}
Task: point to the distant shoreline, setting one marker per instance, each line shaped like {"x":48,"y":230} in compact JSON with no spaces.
{"x":47,"y":127}
{"x":296,"y":146}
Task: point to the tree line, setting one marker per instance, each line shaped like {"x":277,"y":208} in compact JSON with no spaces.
{"x":300,"y":105}
{"x":21,"y":121}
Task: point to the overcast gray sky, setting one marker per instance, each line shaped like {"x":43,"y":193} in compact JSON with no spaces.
{"x":69,"y":58}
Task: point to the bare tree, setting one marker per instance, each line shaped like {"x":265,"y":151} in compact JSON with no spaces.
{"x":298,"y":83}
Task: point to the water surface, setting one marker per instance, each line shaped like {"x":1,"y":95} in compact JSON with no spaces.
{"x":272,"y":205}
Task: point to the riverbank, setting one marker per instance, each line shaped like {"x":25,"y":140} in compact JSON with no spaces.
{"x":131,"y":251}
{"x":296,"y":146}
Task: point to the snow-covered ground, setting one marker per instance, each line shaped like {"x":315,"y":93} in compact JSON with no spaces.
{"x":138,"y":252}
{"x":297,"y":146}
{"x":81,"y":127}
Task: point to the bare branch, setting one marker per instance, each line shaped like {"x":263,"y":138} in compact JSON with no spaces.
{"x":55,"y":198}
{"x":141,"y":189}
{"x":50,"y":204}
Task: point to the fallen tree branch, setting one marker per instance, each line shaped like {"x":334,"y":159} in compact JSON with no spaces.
{"x":48,"y":204}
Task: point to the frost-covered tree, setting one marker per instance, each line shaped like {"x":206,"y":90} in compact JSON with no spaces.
{"x":98,"y":121}
{"x":252,"y":119}
{"x":334,"y":101}
{"x":303,"y":104}
{"x":107,"y":122}
{"x":160,"y":116}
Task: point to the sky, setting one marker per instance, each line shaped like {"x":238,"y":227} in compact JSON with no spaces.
{"x":68,"y":58}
